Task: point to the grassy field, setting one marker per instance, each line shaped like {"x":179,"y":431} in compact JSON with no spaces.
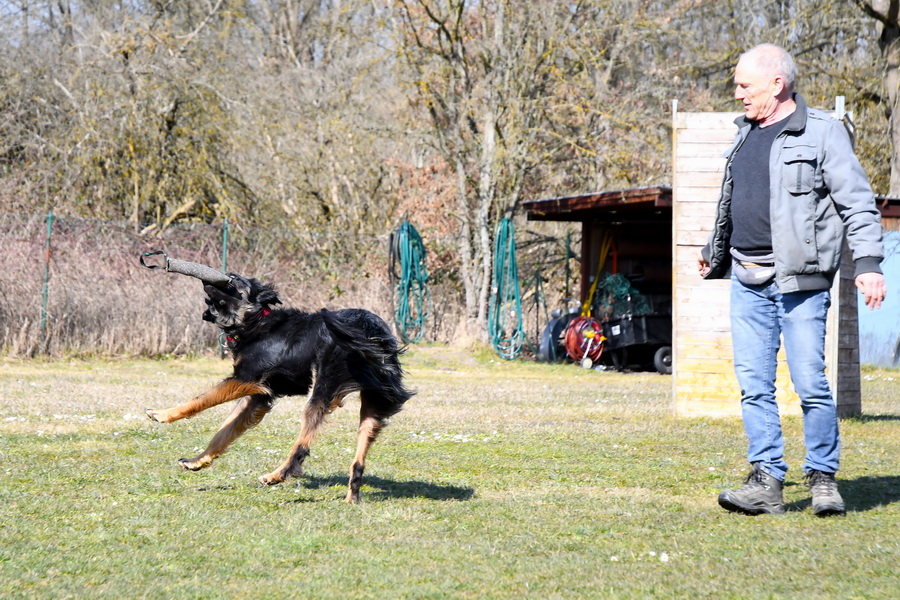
{"x":500,"y":480}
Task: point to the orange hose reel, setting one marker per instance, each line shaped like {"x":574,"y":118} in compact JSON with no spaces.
{"x":584,"y":340}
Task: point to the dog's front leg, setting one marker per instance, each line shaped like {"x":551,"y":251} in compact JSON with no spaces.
{"x":248,"y":413}
{"x":313,"y":416}
{"x":225,"y":391}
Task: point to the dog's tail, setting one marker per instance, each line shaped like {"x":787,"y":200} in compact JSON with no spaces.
{"x":366,"y":334}
{"x":363,"y":333}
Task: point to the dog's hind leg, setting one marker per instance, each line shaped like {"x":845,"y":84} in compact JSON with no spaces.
{"x":313,"y":417}
{"x":369,"y":427}
{"x":248,"y":413}
{"x":225,"y":391}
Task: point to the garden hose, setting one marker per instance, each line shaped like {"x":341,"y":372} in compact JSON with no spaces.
{"x":505,"y":315}
{"x":585,"y":341}
{"x":412,"y":298}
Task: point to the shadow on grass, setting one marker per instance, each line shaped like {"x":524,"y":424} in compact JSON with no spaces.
{"x":874,"y":418}
{"x":390,"y":488}
{"x":861,"y":494}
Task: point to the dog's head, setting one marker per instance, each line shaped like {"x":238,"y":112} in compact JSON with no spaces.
{"x":231,"y":306}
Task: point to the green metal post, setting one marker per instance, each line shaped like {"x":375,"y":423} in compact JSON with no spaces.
{"x":568,"y":256}
{"x":225,"y":246}
{"x":46,"y":291}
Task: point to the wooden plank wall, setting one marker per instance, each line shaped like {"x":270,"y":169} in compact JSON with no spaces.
{"x":703,"y":380}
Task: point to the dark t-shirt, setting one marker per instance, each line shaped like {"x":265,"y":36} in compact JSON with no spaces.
{"x":751,"y":228}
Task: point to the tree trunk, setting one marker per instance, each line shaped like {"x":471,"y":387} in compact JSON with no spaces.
{"x":886,"y":12}
{"x":465,"y":248}
{"x":486,"y":188}
{"x":890,"y":49}
{"x":487,"y":184}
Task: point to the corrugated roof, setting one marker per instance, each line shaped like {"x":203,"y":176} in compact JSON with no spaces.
{"x":585,"y":206}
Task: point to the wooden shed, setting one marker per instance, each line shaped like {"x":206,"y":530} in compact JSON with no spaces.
{"x":890,"y":212}
{"x":659,"y":232}
{"x":628,"y":232}
{"x":640,"y":222}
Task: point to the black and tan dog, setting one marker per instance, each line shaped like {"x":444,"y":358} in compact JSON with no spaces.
{"x":285,"y":352}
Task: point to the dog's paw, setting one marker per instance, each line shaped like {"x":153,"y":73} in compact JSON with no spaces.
{"x":158,"y":416}
{"x":193,"y":464}
{"x":273,"y":478}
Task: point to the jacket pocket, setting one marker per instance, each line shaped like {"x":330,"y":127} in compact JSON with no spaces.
{"x":798,"y":173}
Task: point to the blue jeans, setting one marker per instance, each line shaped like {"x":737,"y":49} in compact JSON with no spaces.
{"x":759,"y":316}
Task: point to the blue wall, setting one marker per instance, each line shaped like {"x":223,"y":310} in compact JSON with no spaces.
{"x":878,"y":329}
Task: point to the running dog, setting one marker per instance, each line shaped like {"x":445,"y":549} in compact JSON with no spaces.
{"x":286,"y":352}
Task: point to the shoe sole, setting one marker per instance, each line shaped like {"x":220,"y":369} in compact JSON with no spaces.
{"x":726,"y":502}
{"x":830,"y":511}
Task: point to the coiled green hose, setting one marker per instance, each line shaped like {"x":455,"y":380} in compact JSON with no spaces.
{"x":505,"y":315}
{"x":412,"y":298}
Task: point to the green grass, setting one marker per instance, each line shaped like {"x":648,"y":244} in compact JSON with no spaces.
{"x":499,"y":480}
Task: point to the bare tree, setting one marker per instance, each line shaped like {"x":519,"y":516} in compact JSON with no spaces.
{"x":484,"y":72}
{"x":832,"y":43}
{"x":887,"y":15}
{"x":339,"y":115}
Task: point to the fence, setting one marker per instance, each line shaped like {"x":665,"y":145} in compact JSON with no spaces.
{"x":74,"y":286}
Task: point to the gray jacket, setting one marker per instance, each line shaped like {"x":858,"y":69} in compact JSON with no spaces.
{"x":818,"y":190}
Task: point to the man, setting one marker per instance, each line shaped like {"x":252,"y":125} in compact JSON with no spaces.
{"x":791,"y":190}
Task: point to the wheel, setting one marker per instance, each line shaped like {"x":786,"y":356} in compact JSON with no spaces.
{"x":550,"y":349}
{"x":662,"y":360}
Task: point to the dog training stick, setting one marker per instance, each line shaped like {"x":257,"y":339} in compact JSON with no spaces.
{"x":202,"y":272}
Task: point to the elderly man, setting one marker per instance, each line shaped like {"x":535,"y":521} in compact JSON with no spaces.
{"x":792,"y":188}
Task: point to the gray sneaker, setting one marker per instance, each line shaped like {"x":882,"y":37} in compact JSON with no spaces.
{"x":761,"y":493}
{"x":826,"y":500}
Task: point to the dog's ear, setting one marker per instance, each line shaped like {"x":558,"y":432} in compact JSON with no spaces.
{"x":264,"y":294}
{"x":241,"y":285}
{"x":216,"y":294}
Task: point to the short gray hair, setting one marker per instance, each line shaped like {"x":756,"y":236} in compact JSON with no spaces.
{"x":775,"y":60}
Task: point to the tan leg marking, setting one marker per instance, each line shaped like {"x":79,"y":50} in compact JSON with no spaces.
{"x":369,"y":428}
{"x":336,"y":403}
{"x":224,"y":391}
{"x":248,"y":413}
{"x":313,"y":417}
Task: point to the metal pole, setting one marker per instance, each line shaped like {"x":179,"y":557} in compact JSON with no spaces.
{"x":224,"y":269}
{"x":225,"y":246}
{"x":568,"y":256}
{"x":46,"y":289}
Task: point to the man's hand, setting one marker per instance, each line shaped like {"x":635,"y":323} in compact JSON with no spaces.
{"x":872,"y":287}
{"x":702,"y":265}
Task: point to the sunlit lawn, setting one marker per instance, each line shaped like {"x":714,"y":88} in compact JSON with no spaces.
{"x":499,"y":480}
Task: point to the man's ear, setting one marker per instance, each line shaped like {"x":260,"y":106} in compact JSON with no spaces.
{"x":779,"y":88}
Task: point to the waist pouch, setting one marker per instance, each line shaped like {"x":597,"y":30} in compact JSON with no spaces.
{"x":753,"y":270}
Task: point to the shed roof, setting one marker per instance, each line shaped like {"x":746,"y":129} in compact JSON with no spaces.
{"x":641,"y":203}
{"x":645,"y":202}
{"x":890,"y":210}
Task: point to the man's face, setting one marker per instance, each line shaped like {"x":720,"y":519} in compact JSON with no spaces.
{"x":756,"y":90}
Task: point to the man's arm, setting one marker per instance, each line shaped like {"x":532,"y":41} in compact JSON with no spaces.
{"x":853,"y":197}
